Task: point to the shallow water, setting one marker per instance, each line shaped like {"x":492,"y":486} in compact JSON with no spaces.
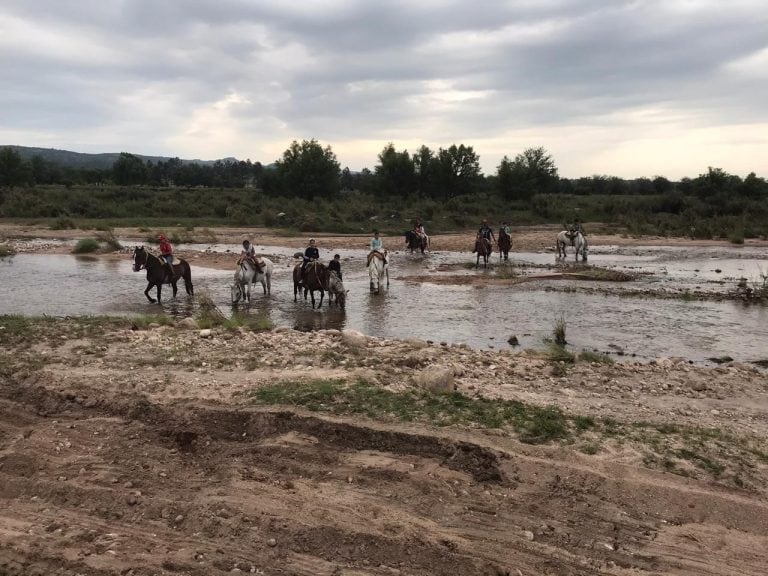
{"x":482,"y":317}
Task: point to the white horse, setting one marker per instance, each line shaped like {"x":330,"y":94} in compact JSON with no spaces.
{"x":580,"y":242}
{"x":336,"y":290}
{"x":563,"y":239}
{"x":248,"y":274}
{"x":377,"y":269}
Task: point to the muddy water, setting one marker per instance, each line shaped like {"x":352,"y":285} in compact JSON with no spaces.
{"x":483,"y":317}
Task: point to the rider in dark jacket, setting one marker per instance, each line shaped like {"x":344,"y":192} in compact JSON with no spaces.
{"x":335,"y":265}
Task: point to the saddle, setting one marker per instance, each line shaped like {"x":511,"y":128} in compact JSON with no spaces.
{"x":376,"y":254}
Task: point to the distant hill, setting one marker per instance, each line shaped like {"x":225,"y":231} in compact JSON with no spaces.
{"x":94,"y":161}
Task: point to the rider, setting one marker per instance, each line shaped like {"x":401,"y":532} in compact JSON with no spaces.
{"x":576,"y":227}
{"x":486,"y":232}
{"x":311,"y":254}
{"x":376,"y":246}
{"x":418,"y":229}
{"x":506,"y":228}
{"x":248,"y":252}
{"x":335,"y":265}
{"x":166,"y":251}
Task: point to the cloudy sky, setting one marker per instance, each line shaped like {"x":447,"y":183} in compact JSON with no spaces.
{"x":626,"y":88}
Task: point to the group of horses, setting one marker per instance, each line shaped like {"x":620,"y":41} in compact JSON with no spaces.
{"x":316,"y":276}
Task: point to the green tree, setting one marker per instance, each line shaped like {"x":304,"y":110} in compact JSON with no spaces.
{"x":395,"y":172}
{"x":458,"y":169}
{"x":309,"y":171}
{"x":14,"y":171}
{"x":427,"y":171}
{"x":531,"y":172}
{"x":129,"y":170}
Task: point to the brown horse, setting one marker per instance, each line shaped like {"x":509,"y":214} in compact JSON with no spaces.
{"x":483,"y":248}
{"x":158,"y":273}
{"x":505,"y":244}
{"x":315,"y":277}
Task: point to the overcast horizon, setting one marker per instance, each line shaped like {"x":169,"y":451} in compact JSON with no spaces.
{"x":623,"y":88}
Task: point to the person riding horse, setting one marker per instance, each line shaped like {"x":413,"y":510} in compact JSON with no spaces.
{"x":574,"y":228}
{"x":377,"y":246}
{"x":486,"y":232}
{"x":249,"y":253}
{"x":335,"y":265}
{"x":166,"y":253}
{"x":311,"y":254}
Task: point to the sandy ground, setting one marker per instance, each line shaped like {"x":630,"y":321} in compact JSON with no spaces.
{"x":141,"y":452}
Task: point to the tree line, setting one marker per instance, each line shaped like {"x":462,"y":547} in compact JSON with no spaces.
{"x":445,"y":186}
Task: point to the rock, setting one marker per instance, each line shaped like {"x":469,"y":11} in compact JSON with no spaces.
{"x":205,"y":333}
{"x":271,"y":542}
{"x":528,"y":535}
{"x":416,"y":343}
{"x":188,"y":323}
{"x":436,"y":380}
{"x":353,"y":338}
{"x":178,"y":519}
{"x":513,"y":341}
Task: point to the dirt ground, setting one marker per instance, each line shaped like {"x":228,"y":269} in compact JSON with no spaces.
{"x":139,"y":450}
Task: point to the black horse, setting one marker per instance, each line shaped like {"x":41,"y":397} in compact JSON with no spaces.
{"x":315,"y":277}
{"x":505,"y":244}
{"x":158,"y":273}
{"x":415,"y":241}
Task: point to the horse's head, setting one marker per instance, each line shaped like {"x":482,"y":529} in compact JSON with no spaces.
{"x":139,"y":258}
{"x":237,"y":292}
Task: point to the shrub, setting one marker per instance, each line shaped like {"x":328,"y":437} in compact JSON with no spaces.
{"x":108,"y":238}
{"x":559,"y":331}
{"x":6,"y":250}
{"x":86,"y":245}
{"x":63,"y":223}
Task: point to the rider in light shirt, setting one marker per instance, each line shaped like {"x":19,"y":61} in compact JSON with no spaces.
{"x":376,"y":246}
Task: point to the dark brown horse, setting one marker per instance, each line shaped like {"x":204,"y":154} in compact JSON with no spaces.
{"x":159,"y":274}
{"x":483,"y":248}
{"x":315,"y":277}
{"x":415,"y":241}
{"x":505,"y":244}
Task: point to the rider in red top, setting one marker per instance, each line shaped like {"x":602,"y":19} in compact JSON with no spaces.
{"x":166,"y":250}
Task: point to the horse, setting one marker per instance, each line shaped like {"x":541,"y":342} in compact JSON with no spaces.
{"x":562,"y":240}
{"x":580,"y":242}
{"x":336,"y":290}
{"x":315,"y":278}
{"x":377,"y":269}
{"x":157,"y":273}
{"x":414,"y":241}
{"x":505,"y":244}
{"x":483,"y":248}
{"x":247,"y":274}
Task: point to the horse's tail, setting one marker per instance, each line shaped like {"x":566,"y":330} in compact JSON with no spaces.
{"x":186,"y":273}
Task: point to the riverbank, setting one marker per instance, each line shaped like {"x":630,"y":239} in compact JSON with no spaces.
{"x":146,"y":446}
{"x":32,"y":238}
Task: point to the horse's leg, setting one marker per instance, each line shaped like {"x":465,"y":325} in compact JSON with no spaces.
{"x":174,"y":283}
{"x":295,"y":290}
{"x":322,"y":295}
{"x":312,"y":294}
{"x":386,"y":271}
{"x":159,"y":289}
{"x":146,"y":293}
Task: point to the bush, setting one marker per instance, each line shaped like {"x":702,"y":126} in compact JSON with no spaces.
{"x":86,"y":245}
{"x":63,"y":223}
{"x":6,"y":250}
{"x":559,"y":331}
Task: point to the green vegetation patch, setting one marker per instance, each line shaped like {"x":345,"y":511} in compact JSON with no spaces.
{"x":532,"y":424}
{"x":6,"y":250}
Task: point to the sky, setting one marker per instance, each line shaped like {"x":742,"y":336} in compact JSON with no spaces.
{"x":612,"y":87}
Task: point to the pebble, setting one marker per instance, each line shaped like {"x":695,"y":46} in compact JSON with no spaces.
{"x":271,"y":542}
{"x":178,"y":518}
